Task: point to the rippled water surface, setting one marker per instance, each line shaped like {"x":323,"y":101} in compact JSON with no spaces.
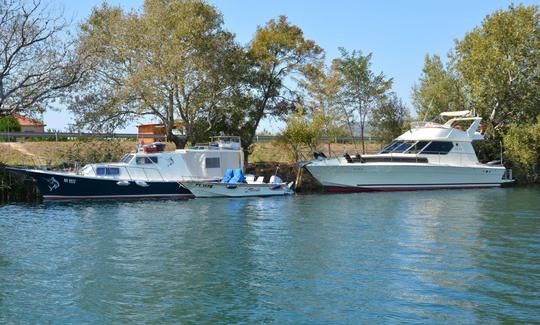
{"x":470,"y":256}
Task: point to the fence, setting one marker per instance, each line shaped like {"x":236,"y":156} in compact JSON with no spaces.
{"x":76,"y":135}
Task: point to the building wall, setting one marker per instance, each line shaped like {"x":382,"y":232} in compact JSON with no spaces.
{"x":151,"y":129}
{"x":32,"y":128}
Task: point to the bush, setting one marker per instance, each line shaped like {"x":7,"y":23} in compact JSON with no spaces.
{"x":93,"y":151}
{"x":9,"y":124}
{"x":522,"y":144}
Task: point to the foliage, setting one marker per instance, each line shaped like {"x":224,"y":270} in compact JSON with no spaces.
{"x":93,"y":151}
{"x":278,"y":50}
{"x":321,"y":100}
{"x":9,"y":124}
{"x":499,"y":64}
{"x":361,"y":87}
{"x":439,"y":90}
{"x":172,"y":61}
{"x":522,"y":143}
{"x":300,"y":133}
{"x":36,"y":64}
{"x":390,"y":118}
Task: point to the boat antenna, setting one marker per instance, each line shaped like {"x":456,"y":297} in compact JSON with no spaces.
{"x":428,"y":109}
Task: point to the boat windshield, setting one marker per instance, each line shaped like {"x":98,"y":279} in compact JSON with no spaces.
{"x":403,"y":146}
{"x":397,"y":146}
{"x":126,"y":159}
{"x":413,"y":147}
{"x":391,"y":146}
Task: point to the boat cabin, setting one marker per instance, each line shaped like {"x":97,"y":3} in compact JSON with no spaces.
{"x":151,"y":162}
{"x":430,"y":142}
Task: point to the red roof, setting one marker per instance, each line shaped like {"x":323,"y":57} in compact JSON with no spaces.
{"x":25,"y":121}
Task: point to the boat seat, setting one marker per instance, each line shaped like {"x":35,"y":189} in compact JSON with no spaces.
{"x":259,"y":180}
{"x":250,"y":178}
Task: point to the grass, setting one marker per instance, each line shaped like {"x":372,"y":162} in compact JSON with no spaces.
{"x":53,"y":153}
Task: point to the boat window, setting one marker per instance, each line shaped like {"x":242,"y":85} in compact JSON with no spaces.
{"x":391,"y":146}
{"x":113,"y":171}
{"x":438,"y":147}
{"x":417,"y":147}
{"x":212,"y":162}
{"x":403,"y":147}
{"x":126,"y":159}
{"x":147,"y":160}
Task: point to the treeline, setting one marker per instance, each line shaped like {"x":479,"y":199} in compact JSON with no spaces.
{"x":174,"y":61}
{"x":495,"y":72}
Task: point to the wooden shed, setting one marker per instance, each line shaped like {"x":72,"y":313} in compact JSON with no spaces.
{"x":151,"y":129}
{"x":30,"y":125}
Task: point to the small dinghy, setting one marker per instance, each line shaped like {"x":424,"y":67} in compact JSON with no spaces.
{"x":235,"y":184}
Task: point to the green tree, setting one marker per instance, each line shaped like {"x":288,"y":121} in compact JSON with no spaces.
{"x":439,"y":90}
{"x":37,"y":65}
{"x":362,"y":88}
{"x":390,"y":118}
{"x":299,"y":133}
{"x":277,"y":51}
{"x":522,"y":144}
{"x":321,"y":99}
{"x":172,"y":61}
{"x":9,"y":124}
{"x":499,"y":63}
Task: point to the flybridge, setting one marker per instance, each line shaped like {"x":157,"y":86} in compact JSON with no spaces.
{"x":461,"y":127}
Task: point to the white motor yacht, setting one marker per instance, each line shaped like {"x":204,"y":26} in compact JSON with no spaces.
{"x":428,"y":156}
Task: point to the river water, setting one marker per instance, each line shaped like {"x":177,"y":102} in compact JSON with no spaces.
{"x":461,"y":256}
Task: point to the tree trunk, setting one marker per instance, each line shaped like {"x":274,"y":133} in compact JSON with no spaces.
{"x":362,"y":137}
{"x":245,"y":149}
{"x":179,"y":141}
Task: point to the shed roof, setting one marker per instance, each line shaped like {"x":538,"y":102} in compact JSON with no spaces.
{"x":26,"y":121}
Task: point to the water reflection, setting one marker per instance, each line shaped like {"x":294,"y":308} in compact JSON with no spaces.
{"x":441,"y":256}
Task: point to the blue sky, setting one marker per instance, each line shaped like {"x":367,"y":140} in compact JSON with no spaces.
{"x":398,"y":33}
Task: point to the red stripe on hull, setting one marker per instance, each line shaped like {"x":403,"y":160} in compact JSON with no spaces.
{"x":339,"y":189}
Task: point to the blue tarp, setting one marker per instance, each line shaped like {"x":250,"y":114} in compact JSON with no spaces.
{"x":228,"y":176}
{"x":238,"y":177}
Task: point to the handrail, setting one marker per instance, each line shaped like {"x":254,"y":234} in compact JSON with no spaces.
{"x":435,"y":155}
{"x":127,"y":168}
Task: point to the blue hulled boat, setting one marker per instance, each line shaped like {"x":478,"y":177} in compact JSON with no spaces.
{"x":150,"y":172}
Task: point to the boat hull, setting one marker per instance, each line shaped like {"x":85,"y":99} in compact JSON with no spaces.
{"x":65,"y":186}
{"x":214,"y":189}
{"x":403,"y":177}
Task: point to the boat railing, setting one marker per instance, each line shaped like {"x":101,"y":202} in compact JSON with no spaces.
{"x":196,"y":179}
{"x":220,"y":142}
{"x":426,"y":124}
{"x":423,"y":157}
{"x":131,"y":177}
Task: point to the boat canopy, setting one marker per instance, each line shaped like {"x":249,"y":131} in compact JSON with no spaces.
{"x":456,"y":114}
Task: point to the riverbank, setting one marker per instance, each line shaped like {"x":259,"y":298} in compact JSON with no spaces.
{"x":18,"y":188}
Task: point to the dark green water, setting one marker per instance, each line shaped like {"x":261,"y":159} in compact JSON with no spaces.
{"x":469,"y":256}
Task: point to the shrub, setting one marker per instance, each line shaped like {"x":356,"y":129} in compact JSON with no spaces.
{"x":9,"y":124}
{"x":522,"y":143}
